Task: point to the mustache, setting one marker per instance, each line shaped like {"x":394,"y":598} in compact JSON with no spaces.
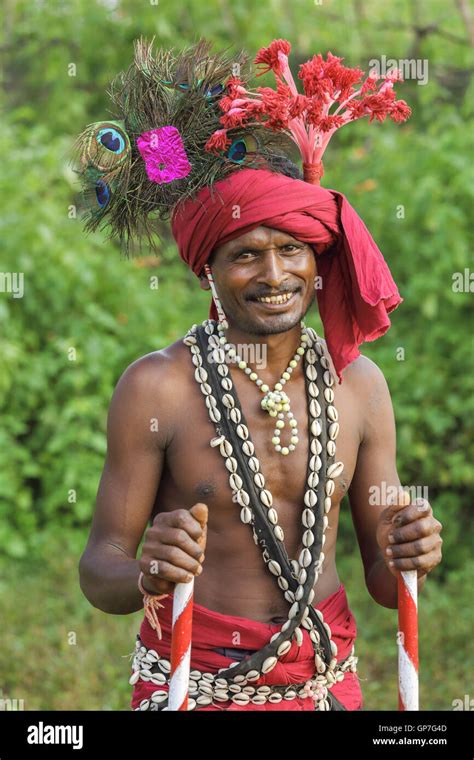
{"x":255,"y":296}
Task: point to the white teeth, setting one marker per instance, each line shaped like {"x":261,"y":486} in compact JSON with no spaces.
{"x":276,"y":299}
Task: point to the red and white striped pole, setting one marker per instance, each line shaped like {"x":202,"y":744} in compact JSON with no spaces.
{"x":181,"y":634}
{"x":408,"y":640}
{"x":181,"y":645}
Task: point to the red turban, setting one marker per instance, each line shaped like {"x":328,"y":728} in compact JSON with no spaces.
{"x":358,"y":291}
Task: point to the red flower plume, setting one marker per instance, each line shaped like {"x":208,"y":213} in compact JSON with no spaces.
{"x":307,"y":118}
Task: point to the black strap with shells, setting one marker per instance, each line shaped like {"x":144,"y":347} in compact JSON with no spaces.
{"x":296,"y":578}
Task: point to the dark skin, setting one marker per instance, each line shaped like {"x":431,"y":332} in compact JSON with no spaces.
{"x":160,"y":467}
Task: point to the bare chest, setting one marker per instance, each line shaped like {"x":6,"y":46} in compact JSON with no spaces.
{"x":196,"y":472}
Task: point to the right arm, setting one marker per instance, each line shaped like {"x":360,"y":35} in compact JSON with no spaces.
{"x":138,"y":432}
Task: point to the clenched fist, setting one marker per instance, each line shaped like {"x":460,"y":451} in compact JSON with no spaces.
{"x":173,"y":551}
{"x":409,"y":536}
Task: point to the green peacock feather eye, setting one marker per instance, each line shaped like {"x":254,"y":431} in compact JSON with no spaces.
{"x":102,"y":192}
{"x":242,"y":148}
{"x":211,"y":91}
{"x":111,"y":139}
{"x":215,"y":90}
{"x":105,"y":146}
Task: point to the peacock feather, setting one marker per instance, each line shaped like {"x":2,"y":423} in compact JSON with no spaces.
{"x":151,"y":155}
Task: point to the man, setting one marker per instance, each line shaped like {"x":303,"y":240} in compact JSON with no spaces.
{"x":162,"y":474}
{"x":278,"y":634}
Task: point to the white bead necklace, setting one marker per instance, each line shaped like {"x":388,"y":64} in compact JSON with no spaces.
{"x":276,"y":401}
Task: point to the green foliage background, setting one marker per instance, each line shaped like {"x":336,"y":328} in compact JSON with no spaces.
{"x":81,"y":295}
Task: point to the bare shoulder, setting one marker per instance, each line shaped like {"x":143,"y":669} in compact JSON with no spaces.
{"x":363,"y":375}
{"x":366,"y":375}
{"x":369,"y":386}
{"x":157,"y":369}
{"x":151,"y":388}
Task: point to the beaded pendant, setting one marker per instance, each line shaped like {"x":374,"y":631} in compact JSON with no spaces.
{"x":275,"y":402}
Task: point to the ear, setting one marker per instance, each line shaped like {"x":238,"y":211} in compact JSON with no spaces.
{"x":204,"y":282}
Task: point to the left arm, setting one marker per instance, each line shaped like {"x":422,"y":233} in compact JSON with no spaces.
{"x":393,"y":534}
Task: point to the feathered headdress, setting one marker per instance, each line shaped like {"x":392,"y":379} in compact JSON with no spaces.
{"x":185,"y":120}
{"x":151,"y":155}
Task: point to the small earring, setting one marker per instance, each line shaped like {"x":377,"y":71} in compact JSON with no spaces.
{"x":215,"y":297}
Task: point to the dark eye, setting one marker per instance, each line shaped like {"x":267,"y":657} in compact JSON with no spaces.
{"x":245,"y":253}
{"x":293,"y":247}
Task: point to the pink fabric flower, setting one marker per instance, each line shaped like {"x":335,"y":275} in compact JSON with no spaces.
{"x":164,"y":154}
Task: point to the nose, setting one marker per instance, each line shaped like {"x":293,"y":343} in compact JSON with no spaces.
{"x":272,"y":271}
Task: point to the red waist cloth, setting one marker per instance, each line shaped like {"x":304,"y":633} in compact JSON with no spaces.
{"x":211,"y":629}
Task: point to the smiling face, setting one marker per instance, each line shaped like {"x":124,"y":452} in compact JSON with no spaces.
{"x":265,"y":280}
